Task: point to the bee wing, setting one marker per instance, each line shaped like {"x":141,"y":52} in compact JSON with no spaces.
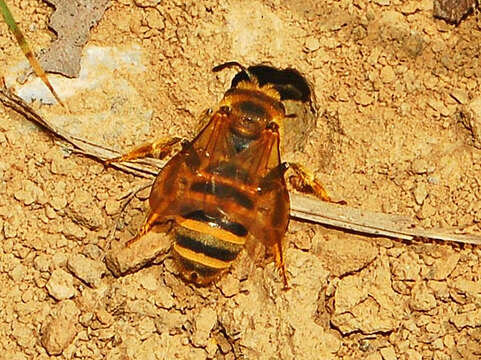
{"x":211,"y":146}
{"x":268,"y":222}
{"x":171,"y":187}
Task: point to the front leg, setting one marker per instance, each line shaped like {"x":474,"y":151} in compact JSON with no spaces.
{"x":158,"y":149}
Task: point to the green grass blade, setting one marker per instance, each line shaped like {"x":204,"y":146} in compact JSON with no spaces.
{"x":22,"y":42}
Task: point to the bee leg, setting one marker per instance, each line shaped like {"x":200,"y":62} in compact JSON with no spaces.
{"x":158,"y":149}
{"x":304,"y":181}
{"x":280,"y":261}
{"x":149,"y":223}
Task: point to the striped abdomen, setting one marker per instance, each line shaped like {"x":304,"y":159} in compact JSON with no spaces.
{"x":206,"y":245}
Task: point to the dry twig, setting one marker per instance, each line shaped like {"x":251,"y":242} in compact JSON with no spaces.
{"x":302,"y":207}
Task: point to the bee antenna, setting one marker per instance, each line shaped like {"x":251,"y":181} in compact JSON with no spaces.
{"x":230,"y":64}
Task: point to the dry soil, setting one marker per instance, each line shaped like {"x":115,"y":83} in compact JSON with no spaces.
{"x":392,"y":84}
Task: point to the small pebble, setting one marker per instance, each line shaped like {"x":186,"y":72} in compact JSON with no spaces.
{"x":414,"y":45}
{"x":154,"y":20}
{"x":409,"y":7}
{"x":387,"y":74}
{"x":460,"y":95}
{"x":419,"y":166}
{"x":50,"y":212}
{"x":426,"y":211}
{"x":84,"y":211}
{"x":9,"y":229}
{"x":363,"y":98}
{"x":122,"y":259}
{"x":24,"y":196}
{"x":229,"y":285}
{"x":112,"y":207}
{"x":41,"y":263}
{"x":18,"y":273}
{"x":60,"y":332}
{"x":73,"y":231}
{"x":150,"y":281}
{"x":420,"y":193}
{"x":204,"y":322}
{"x":58,"y":202}
{"x":439,"y":106}
{"x":422,"y":299}
{"x":60,"y":285}
{"x":93,"y":251}
{"x":146,"y":3}
{"x":24,"y":336}
{"x":88,"y":270}
{"x":466,"y":319}
{"x":312,"y":44}
{"x":388,"y":353}
{"x":104,"y":317}
{"x":164,"y":298}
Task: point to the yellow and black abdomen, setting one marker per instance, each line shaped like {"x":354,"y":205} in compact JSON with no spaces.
{"x":212,"y":223}
{"x":206,"y":245}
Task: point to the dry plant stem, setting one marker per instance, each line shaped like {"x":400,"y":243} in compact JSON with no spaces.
{"x":145,"y":168}
{"x":368,"y":222}
{"x":302,"y":207}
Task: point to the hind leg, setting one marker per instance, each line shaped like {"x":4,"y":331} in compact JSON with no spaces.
{"x":280,"y":261}
{"x":304,"y":181}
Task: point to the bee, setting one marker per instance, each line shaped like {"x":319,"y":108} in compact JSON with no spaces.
{"x":227,"y":188}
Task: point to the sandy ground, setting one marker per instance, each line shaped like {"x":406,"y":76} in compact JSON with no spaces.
{"x":391,"y":83}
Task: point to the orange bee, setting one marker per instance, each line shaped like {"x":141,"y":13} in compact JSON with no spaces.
{"x":226,"y":187}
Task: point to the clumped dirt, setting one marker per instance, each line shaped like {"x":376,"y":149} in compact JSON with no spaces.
{"x":398,"y":93}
